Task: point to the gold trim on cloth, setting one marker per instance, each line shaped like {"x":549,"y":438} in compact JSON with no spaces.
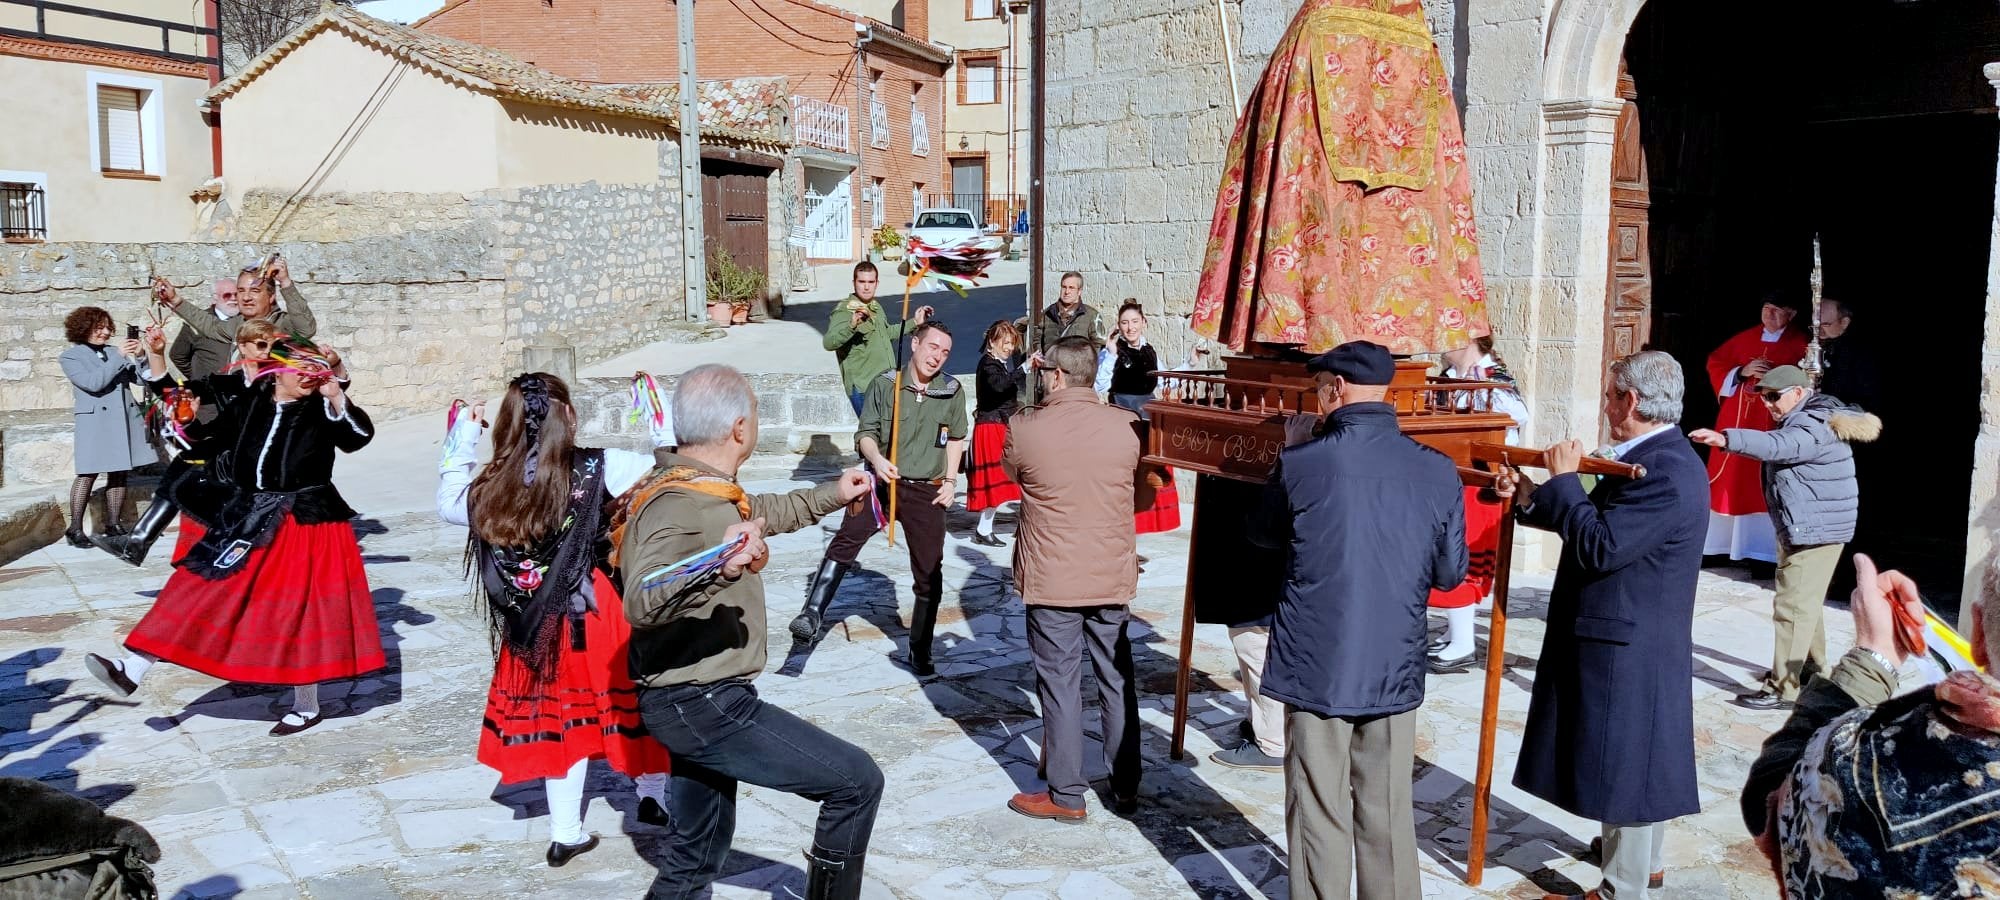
{"x":1321,"y":33}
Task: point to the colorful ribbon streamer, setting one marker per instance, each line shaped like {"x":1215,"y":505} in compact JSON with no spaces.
{"x":694,"y":567}
{"x":957,"y":265}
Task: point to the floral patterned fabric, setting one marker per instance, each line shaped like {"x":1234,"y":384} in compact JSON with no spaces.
{"x":1345,"y":210}
{"x":1898,"y":801}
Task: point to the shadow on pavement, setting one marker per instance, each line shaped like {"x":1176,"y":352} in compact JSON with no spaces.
{"x":21,"y":702}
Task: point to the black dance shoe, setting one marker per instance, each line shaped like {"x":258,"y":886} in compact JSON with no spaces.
{"x":293,"y":723}
{"x":561,"y":854}
{"x":112,"y":673}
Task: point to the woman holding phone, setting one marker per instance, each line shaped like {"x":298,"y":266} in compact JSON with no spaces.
{"x":110,"y":432}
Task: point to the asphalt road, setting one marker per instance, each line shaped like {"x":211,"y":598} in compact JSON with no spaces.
{"x":967,"y":317}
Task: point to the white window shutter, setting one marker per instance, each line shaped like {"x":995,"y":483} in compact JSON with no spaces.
{"x":118,"y":139}
{"x":979,"y":82}
{"x":983,"y":9}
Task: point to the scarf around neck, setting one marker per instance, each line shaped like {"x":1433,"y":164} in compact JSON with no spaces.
{"x":685,"y":478}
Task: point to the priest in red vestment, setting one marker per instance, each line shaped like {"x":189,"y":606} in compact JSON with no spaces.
{"x":1739,"y":524}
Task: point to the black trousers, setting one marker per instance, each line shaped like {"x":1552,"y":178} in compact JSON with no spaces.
{"x":1059,"y":638}
{"x":720,"y":734}
{"x":922,"y":531}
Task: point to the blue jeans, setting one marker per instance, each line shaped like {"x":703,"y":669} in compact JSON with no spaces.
{"x":720,"y":734}
{"x":854,"y":397}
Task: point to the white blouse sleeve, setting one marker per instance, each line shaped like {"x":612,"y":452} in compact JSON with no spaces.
{"x":455,"y":464}
{"x":623,"y":469}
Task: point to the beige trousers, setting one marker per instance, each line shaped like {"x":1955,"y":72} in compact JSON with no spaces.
{"x":1267,"y":716}
{"x":1798,"y":623}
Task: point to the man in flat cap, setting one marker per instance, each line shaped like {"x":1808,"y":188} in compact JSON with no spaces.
{"x":1372,"y":521}
{"x":1808,"y":468}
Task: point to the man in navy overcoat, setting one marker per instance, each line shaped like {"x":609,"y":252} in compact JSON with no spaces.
{"x":1610,"y":732}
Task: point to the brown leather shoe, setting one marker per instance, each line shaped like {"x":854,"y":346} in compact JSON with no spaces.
{"x":1039,"y":806}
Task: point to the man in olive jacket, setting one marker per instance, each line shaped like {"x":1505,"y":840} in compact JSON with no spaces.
{"x":860,"y":337}
{"x":1076,"y":563}
{"x":697,"y":644}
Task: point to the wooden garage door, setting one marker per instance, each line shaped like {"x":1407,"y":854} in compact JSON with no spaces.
{"x":733,"y":212}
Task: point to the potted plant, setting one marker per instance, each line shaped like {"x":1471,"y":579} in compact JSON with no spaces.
{"x":731,"y":289}
{"x":887,"y":242}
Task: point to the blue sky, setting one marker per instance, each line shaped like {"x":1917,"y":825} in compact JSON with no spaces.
{"x":404,"y":11}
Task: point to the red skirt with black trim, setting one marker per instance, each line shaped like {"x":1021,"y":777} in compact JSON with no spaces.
{"x":589,"y":711}
{"x":297,"y":612}
{"x":988,"y":485}
{"x":1165,"y":513}
{"x":1482,"y":540}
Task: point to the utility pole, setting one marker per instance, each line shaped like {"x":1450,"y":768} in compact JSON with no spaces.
{"x":863,"y":139}
{"x":1038,"y":161}
{"x":694,"y":256}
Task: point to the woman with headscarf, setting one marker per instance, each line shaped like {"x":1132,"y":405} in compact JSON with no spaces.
{"x":562,"y":693}
{"x":272,"y":590}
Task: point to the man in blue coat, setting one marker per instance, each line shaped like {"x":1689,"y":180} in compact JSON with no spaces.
{"x":1610,"y":732}
{"x":1370,"y":521}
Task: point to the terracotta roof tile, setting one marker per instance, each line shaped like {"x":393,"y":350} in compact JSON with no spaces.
{"x":491,"y":71}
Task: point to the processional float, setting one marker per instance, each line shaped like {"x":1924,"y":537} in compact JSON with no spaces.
{"x":1344,"y":213}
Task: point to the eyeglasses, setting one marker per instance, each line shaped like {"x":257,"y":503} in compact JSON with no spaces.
{"x":1771,"y":396}
{"x":260,"y":345}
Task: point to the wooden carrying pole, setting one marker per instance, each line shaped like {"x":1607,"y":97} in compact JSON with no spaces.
{"x":1538,"y":459}
{"x":1496,"y":640}
{"x":1489,"y":710}
{"x":896,"y":403}
{"x":1184,"y":665}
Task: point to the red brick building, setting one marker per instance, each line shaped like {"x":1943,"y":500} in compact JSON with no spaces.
{"x":868,"y":97}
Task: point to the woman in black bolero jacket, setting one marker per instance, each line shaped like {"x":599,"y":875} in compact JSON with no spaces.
{"x":1002,"y":374}
{"x":273,"y":591}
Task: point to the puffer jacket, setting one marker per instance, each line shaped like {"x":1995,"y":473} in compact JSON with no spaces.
{"x":1809,"y":468}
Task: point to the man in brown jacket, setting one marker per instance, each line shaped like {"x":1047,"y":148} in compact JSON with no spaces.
{"x":1076,"y":564}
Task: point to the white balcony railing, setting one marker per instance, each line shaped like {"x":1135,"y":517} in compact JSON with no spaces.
{"x":820,"y":124}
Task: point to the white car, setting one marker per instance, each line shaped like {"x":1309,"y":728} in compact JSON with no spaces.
{"x":938,"y":227}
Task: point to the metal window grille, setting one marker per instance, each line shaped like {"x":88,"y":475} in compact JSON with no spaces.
{"x":23,"y":212}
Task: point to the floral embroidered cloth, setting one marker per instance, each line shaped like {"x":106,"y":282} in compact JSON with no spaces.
{"x":1345,"y":210}
{"x":1900,"y":800}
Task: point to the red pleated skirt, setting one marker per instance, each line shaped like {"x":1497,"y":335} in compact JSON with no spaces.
{"x":1482,"y":540}
{"x":1165,"y":513}
{"x":988,"y":485}
{"x":297,"y":612}
{"x":589,"y":711}
{"x":188,"y":534}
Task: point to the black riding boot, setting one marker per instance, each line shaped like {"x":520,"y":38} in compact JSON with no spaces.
{"x":831,"y":880}
{"x":132,"y":546}
{"x":819,"y":596}
{"x":923,"y":626}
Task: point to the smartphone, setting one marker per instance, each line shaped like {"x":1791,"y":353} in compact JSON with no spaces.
{"x":131,"y":332}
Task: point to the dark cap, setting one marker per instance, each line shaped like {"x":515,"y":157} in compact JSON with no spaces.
{"x":1784,"y":378}
{"x":1357,"y":362}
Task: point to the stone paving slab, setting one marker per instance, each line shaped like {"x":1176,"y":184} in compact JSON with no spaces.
{"x":385,"y":800}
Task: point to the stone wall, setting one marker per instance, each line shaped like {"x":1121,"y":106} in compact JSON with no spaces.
{"x":415,"y":314}
{"x":1139,"y":117}
{"x":598,"y":266}
{"x":429,"y":296}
